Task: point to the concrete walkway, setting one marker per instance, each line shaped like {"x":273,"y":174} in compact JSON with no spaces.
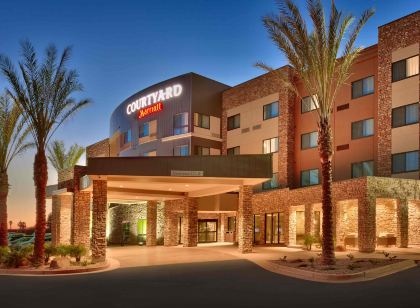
{"x":135,"y":256}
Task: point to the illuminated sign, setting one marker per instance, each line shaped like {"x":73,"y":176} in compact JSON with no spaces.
{"x":154,"y":98}
{"x":151,"y":109}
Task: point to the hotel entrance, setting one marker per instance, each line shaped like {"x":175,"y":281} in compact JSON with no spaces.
{"x":207,"y":230}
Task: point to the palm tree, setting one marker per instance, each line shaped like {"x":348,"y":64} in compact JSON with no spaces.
{"x":13,"y":133}
{"x":43,"y":91}
{"x":62,"y":160}
{"x":322,"y":59}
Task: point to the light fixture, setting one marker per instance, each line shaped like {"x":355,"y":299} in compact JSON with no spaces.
{"x":186,"y":185}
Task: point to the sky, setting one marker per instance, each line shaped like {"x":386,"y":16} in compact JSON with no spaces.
{"x":121,"y":47}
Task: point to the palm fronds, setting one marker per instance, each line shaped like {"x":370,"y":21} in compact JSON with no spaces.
{"x":60,"y":159}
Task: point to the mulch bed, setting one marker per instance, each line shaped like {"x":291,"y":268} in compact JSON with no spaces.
{"x":342,"y":266}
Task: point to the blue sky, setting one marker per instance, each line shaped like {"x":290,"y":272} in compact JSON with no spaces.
{"x":123,"y":46}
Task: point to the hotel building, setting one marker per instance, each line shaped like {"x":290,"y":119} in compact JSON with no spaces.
{"x":192,"y":160}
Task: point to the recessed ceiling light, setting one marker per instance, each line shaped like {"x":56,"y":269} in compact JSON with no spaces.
{"x":121,"y":186}
{"x":186,"y":185}
{"x":170,"y":189}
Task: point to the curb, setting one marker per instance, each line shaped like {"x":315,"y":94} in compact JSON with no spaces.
{"x":111,"y":264}
{"x":338,"y":278}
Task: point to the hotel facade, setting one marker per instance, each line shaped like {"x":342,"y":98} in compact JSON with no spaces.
{"x":191,"y":160}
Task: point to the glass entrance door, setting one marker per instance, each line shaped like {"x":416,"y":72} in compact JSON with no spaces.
{"x":207,"y":230}
{"x":274,"y":223}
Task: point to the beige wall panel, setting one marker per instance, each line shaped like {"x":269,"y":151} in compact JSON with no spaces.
{"x":406,"y":52}
{"x":405,"y":91}
{"x":405,"y":138}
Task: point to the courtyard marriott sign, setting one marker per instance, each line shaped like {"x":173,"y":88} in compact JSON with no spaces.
{"x":154,"y":97}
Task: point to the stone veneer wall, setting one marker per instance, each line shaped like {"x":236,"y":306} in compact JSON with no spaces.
{"x":397,"y":34}
{"x":118,"y":213}
{"x":99,"y":149}
{"x":61,"y":219}
{"x":414,"y":223}
{"x":260,"y":87}
{"x":386,"y":217}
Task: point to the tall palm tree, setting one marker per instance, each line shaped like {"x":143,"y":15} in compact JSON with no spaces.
{"x":322,"y":59}
{"x":62,"y":160}
{"x":13,"y":133}
{"x":43,"y":91}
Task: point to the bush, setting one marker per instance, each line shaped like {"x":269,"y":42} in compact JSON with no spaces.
{"x":62,"y":250}
{"x":4,"y":252}
{"x":77,"y":251}
{"x":49,"y":251}
{"x":18,"y":256}
{"x":309,"y":240}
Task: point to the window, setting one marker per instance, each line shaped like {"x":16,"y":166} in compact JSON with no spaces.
{"x":405,"y":115}
{"x":405,"y":68}
{"x":362,"y":87}
{"x":126,"y":138}
{"x":308,"y":104}
{"x":150,"y":153}
{"x":201,"y":151}
{"x":231,"y":223}
{"x":271,"y":145}
{"x":405,"y":162}
{"x":202,"y":120}
{"x":233,"y":151}
{"x":144,"y":130}
{"x":364,"y":168}
{"x":362,"y":129}
{"x":273,"y":183}
{"x":234,"y":122}
{"x":181,"y":150}
{"x":271,"y":110}
{"x":181,"y":123}
{"x":309,"y":177}
{"x":309,"y":140}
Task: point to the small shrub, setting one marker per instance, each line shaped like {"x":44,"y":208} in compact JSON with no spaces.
{"x":353,"y":266}
{"x":388,"y":255}
{"x":18,"y":256}
{"x":85,"y":263}
{"x":49,"y":251}
{"x":303,"y":265}
{"x":350,"y":256}
{"x":77,"y":251}
{"x":309,"y":240}
{"x":312,"y":261}
{"x":296,"y":261}
{"x":4,"y":252}
{"x":283,"y":258}
{"x":63,"y":250}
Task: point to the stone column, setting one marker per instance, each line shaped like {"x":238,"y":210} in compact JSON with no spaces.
{"x":367,"y":224}
{"x":81,"y":218}
{"x":223,"y":227}
{"x":402,"y":223}
{"x":309,"y":219}
{"x":245,"y":224}
{"x":61,"y":218}
{"x":98,"y":245}
{"x":151,"y":223}
{"x":170,"y":231}
{"x":190,"y":222}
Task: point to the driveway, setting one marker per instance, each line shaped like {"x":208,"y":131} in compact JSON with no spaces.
{"x":229,"y":283}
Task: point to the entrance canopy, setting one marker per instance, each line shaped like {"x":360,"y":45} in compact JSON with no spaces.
{"x":169,"y":178}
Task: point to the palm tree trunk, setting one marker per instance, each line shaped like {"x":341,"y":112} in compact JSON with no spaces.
{"x":326,"y":153}
{"x":4,"y":190}
{"x":40,"y":180}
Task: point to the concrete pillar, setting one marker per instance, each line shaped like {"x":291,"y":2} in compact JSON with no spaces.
{"x":98,"y":245}
{"x":151,"y":223}
{"x":61,"y":209}
{"x":170,"y":231}
{"x":402,"y":223}
{"x":367,"y":224}
{"x":190,"y":222}
{"x":81,"y":218}
{"x":245,"y":223}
